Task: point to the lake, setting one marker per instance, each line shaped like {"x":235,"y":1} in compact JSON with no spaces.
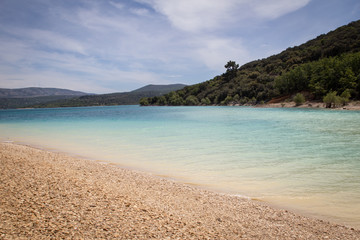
{"x":305,"y":160}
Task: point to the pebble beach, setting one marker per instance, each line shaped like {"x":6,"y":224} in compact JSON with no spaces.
{"x":49,"y":195}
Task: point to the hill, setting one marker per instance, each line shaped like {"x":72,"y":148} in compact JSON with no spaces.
{"x":328,"y":63}
{"x":37,"y":92}
{"x":25,"y":97}
{"x":124,"y":98}
{"x":160,"y":89}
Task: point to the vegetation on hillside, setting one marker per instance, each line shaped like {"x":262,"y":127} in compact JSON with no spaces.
{"x":328,"y":63}
{"x":340,"y":74}
{"x":25,"y":97}
{"x":124,"y":98}
{"x":37,"y":92}
{"x":27,"y":102}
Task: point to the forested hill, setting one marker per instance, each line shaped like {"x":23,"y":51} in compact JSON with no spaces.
{"x":37,"y":92}
{"x":52,"y":97}
{"x":328,"y":63}
{"x":25,"y":97}
{"x":123,"y":98}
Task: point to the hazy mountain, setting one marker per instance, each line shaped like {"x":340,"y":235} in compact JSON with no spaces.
{"x":37,"y":92}
{"x":25,"y":97}
{"x":160,"y":89}
{"x":124,"y":98}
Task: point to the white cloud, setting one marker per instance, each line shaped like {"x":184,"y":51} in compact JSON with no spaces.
{"x":117,"y":5}
{"x":74,"y":73}
{"x":140,"y":11}
{"x":56,"y":41}
{"x":215,"y":52}
{"x":22,"y":65}
{"x":192,"y":15}
{"x":274,"y":9}
{"x":199,"y":15}
{"x":96,"y":45}
{"x":48,"y":39}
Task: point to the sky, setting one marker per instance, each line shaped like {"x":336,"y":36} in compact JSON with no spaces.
{"x":104,"y":46}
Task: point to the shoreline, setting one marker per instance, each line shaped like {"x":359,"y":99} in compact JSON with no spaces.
{"x":351,"y":106}
{"x":53,"y":195}
{"x":185,"y":181}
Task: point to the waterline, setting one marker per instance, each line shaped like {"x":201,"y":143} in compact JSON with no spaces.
{"x":305,"y":159}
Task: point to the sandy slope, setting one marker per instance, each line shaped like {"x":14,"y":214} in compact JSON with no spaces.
{"x":47,"y":195}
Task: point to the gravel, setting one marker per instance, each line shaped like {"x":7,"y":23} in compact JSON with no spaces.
{"x":47,"y":195}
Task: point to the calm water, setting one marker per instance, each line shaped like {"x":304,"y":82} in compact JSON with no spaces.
{"x":306,"y":160}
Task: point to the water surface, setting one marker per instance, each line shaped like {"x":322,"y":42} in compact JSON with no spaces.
{"x":302,"y":159}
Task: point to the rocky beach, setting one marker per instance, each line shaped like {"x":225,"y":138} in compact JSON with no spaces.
{"x":49,"y":195}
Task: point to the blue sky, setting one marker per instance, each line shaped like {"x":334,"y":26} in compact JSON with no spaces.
{"x":103,"y":46}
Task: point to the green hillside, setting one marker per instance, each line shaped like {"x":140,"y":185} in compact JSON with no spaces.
{"x":25,"y":97}
{"x":328,"y":63}
{"x":37,"y":92}
{"x":28,"y":102}
{"x":125,"y":98}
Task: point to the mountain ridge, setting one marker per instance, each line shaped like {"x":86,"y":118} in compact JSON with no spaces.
{"x":120,"y":98}
{"x":261,"y":80}
{"x":37,"y":92}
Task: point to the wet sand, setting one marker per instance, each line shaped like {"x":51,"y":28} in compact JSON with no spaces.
{"x":47,"y":195}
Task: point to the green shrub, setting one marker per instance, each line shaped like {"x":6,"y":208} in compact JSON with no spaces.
{"x":192,"y":101}
{"x":299,"y":99}
{"x":345,"y":97}
{"x":205,"y":101}
{"x":144,"y":102}
{"x":332,"y":99}
{"x":227,"y":100}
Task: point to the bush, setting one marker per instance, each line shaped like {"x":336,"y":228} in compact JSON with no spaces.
{"x":332,"y":100}
{"x":175,"y":99}
{"x":144,"y":102}
{"x":299,"y":99}
{"x":205,"y":101}
{"x":345,"y":97}
{"x":191,"y":101}
{"x":227,"y":100}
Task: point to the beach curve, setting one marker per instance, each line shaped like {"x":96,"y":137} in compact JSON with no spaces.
{"x":52,"y":195}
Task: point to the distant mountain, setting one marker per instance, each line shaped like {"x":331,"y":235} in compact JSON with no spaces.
{"x":26,"y":97}
{"x":159,"y":89}
{"x":124,"y":98}
{"x":37,"y":92}
{"x":11,"y":103}
{"x":328,"y":63}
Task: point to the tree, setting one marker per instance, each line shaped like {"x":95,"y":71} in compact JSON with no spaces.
{"x":144,"y":102}
{"x":192,"y":101}
{"x":162,"y":101}
{"x":227,"y":100}
{"x":205,"y":101}
{"x":345,"y":97}
{"x":348,"y":80}
{"x":231,"y":66}
{"x":299,"y":99}
{"x":236,"y":98}
{"x":231,"y":70}
{"x":331,"y":99}
{"x":175,"y":99}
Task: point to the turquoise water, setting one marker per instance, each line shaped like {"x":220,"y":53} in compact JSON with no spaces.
{"x":302,"y":159}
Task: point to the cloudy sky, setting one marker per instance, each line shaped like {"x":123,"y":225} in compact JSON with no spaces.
{"x":103,"y":46}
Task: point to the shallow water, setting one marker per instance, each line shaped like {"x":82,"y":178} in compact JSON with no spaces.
{"x":303,"y":159}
